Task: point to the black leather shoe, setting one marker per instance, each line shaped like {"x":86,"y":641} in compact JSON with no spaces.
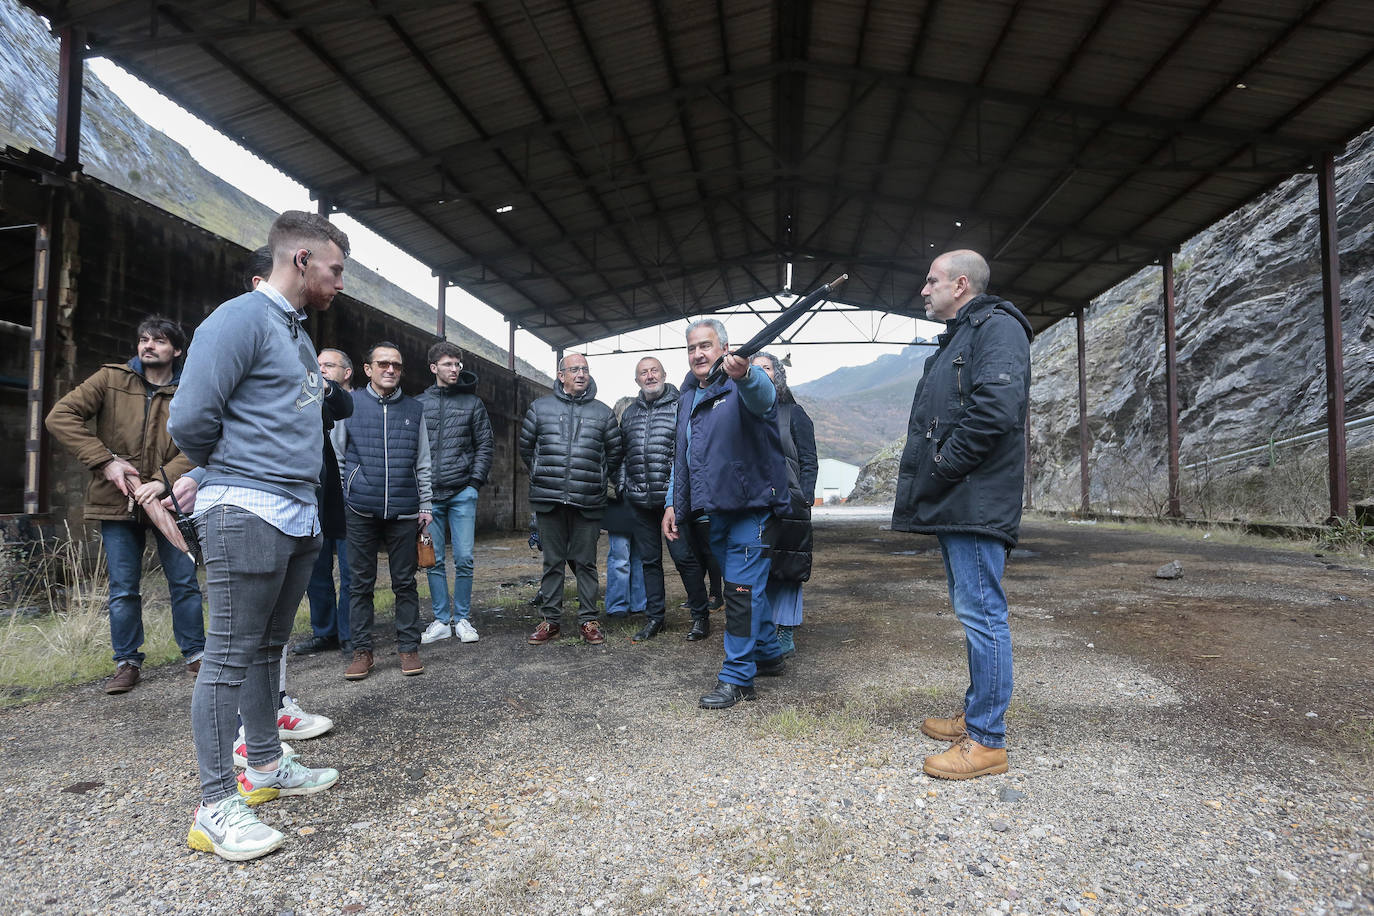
{"x":701,"y":628}
{"x":726,"y":695}
{"x":314,"y":645}
{"x":650,"y":629}
{"x":771,"y":668}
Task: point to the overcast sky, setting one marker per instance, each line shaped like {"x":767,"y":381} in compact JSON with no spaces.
{"x":614,"y":372}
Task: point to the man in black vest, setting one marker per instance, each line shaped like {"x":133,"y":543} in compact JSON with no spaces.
{"x":571,"y":443}
{"x":386,"y":495}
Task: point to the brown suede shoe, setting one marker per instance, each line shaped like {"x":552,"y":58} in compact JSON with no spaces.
{"x":410,"y":663}
{"x":966,"y":759}
{"x":545,"y":632}
{"x":591,"y":633}
{"x":193,"y":669}
{"x":361,"y":666}
{"x":945,"y":729}
{"x":124,"y":680}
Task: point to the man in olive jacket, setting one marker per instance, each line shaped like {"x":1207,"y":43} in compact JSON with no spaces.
{"x":572,"y":445}
{"x":961,"y":478}
{"x":127,"y":453}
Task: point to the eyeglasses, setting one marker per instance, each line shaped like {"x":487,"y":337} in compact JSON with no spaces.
{"x":577,"y":370}
{"x":386,"y":364}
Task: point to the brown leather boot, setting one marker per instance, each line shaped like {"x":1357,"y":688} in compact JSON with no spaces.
{"x":546,"y":632}
{"x":124,"y":680}
{"x":410,"y":663}
{"x":361,"y":666}
{"x":966,"y":759}
{"x":951,"y":729}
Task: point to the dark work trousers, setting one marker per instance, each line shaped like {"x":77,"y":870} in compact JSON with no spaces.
{"x":366,"y":536}
{"x":647,"y":538}
{"x":692,"y":556}
{"x":568,"y":535}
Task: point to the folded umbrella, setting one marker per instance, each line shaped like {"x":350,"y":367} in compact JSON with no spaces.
{"x":774,"y":328}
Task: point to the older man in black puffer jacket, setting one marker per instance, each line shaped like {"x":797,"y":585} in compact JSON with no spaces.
{"x":572,"y":446}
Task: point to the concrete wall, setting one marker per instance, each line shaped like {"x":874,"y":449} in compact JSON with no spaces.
{"x":135,"y":259}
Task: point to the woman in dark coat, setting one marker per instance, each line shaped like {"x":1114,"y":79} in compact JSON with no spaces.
{"x":791,"y":551}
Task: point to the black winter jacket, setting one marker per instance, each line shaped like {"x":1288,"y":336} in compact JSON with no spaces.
{"x":338,"y":405}
{"x":459,"y":430}
{"x":650,"y":431}
{"x":963,"y":468}
{"x":572,"y":448}
{"x":791,"y":547}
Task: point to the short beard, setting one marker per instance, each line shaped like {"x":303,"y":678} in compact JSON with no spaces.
{"x":654,"y":393}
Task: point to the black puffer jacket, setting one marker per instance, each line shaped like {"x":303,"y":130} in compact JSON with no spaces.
{"x":650,"y":431}
{"x":963,"y":468}
{"x":572,"y":448}
{"x":459,"y":436}
{"x":791,"y":547}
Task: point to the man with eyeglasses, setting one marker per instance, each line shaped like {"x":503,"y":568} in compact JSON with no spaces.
{"x":461,"y":448}
{"x":386,"y":497}
{"x":572,"y":445}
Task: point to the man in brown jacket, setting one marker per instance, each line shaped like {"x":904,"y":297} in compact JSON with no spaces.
{"x":127,"y":453}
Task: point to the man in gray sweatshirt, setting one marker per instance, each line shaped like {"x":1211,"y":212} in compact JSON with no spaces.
{"x":247,"y":414}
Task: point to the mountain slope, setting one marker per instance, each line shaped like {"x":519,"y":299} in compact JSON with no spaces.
{"x":859,"y":409}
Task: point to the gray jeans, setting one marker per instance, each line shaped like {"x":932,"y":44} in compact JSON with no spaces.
{"x":254,"y":579}
{"x":568,"y":536}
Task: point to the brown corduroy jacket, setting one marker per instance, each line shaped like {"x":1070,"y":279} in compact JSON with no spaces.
{"x":130,"y":422}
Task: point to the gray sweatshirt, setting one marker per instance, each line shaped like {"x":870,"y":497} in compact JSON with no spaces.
{"x":248,"y":407}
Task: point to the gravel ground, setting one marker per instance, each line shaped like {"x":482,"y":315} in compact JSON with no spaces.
{"x":1201,"y":745}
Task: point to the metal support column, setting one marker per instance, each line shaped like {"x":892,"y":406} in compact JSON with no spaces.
{"x":558,"y":357}
{"x":1171,"y":383}
{"x":70,"y":66}
{"x":324,"y":207}
{"x":1029,"y":497}
{"x":35,"y":442}
{"x":1084,"y":480}
{"x":510,"y":349}
{"x":1337,"y":481}
{"x":443,"y":305}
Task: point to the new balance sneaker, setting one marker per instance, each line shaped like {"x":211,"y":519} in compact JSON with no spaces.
{"x":289,"y":778}
{"x":231,"y":830}
{"x":241,"y":749}
{"x":294,"y":722}
{"x":466,"y":631}
{"x":434,"y":632}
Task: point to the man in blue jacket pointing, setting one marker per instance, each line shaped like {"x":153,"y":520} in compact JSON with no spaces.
{"x":728,"y":464}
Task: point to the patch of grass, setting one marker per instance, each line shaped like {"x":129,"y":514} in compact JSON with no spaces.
{"x":817,"y":841}
{"x":846,"y":726}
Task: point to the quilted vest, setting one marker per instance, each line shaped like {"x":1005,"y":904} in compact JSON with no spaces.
{"x":383,"y":446}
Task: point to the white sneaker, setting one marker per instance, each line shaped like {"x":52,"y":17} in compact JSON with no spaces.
{"x":231,"y":830}
{"x":289,"y":778}
{"x":466,"y":632}
{"x":294,"y":722}
{"x":241,"y":749}
{"x":434,"y":632}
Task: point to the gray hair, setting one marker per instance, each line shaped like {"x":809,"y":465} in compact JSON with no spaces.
{"x":970,"y":264}
{"x":779,"y":375}
{"x":712,"y":323}
{"x":343,"y":357}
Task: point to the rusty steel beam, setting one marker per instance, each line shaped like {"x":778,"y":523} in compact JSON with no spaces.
{"x":443,"y":306}
{"x":1337,"y":481}
{"x":510,"y":350}
{"x":1171,"y":383}
{"x":1084,"y":478}
{"x":35,"y":440}
{"x":70,"y":66}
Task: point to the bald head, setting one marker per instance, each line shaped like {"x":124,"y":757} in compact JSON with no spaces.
{"x":955,"y":277}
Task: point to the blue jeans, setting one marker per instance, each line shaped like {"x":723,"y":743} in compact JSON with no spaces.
{"x":254,"y":579}
{"x":124,"y":543}
{"x":750,"y":637}
{"x":328,"y":608}
{"x":624,"y":577}
{"x":973,"y":567}
{"x":455,"y":520}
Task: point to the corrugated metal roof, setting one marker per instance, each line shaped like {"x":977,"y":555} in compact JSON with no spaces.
{"x":665,"y":159}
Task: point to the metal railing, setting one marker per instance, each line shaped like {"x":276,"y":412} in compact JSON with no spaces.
{"x":1312,"y":436}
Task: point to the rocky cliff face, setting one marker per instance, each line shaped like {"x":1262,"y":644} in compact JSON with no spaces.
{"x":119,"y":148}
{"x":1250,"y":353}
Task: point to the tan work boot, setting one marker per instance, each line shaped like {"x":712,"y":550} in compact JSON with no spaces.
{"x":361,"y":666}
{"x":966,"y":759}
{"x":410,"y":663}
{"x":945,"y":729}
